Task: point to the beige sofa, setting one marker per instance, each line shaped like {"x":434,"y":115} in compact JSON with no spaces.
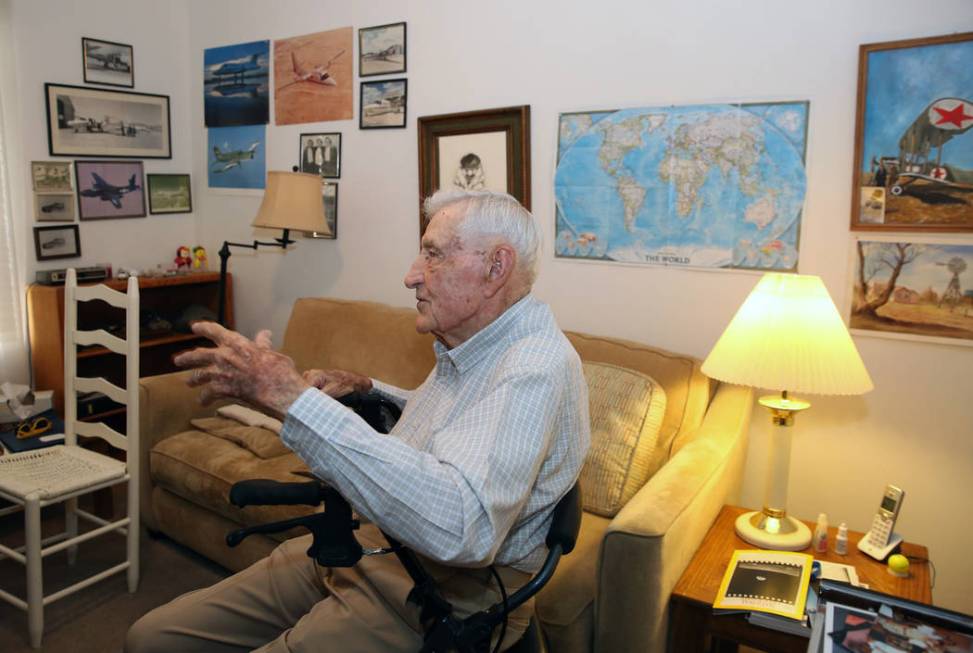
{"x":611,"y":594}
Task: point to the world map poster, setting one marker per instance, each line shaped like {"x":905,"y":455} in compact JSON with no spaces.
{"x":713,"y":186}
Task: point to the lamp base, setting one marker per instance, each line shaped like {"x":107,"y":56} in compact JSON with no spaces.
{"x":785,"y":534}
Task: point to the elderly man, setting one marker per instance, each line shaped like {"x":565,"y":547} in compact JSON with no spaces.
{"x":468,"y":478}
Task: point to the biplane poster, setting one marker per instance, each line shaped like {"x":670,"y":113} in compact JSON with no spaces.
{"x":913,"y":288}
{"x":313,"y":77}
{"x":235,"y":84}
{"x":714,"y":186}
{"x":914,"y":145}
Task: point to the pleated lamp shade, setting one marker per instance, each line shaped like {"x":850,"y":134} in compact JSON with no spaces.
{"x":788,"y":335}
{"x":292,"y":200}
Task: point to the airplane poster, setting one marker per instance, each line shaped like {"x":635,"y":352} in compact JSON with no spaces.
{"x":236,"y":157}
{"x":914,"y":142}
{"x":110,"y":189}
{"x":236,"y":84}
{"x":313,"y":77}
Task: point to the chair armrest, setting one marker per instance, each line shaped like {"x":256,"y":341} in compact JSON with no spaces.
{"x":651,"y":540}
{"x":166,"y":404}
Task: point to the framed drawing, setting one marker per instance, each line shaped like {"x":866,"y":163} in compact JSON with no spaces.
{"x":110,"y":189}
{"x":57,"y":242}
{"x":170,"y":193}
{"x":51,"y":176}
{"x":383,"y":104}
{"x":912,"y":288}
{"x":98,"y":122}
{"x":320,"y":154}
{"x":476,"y":150}
{"x":107,"y":63}
{"x":54,"y":207}
{"x":381,"y":50}
{"x":913,"y":143}
{"x":329,"y":197}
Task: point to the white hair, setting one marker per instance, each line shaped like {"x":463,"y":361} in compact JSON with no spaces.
{"x":489,"y":213}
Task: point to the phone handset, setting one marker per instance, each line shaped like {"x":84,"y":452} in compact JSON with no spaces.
{"x":880,"y":540}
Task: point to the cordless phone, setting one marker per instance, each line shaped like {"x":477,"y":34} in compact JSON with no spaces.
{"x":880,"y":541}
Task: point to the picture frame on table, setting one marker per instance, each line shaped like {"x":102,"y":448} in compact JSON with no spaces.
{"x":329,"y":199}
{"x":98,"y":122}
{"x":320,"y":154}
{"x":54,"y":207}
{"x":169,"y":193}
{"x":383,"y":104}
{"x":51,"y":176}
{"x":60,"y":241}
{"x":108,"y":63}
{"x":110,"y":189}
{"x":382,"y":50}
{"x":475,"y":150}
{"x":913,"y":165}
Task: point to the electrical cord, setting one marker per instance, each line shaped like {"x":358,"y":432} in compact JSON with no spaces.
{"x":503,"y":595}
{"x":932,"y":568}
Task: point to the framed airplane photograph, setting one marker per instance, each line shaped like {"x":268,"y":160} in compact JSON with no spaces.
{"x":381,"y":50}
{"x":57,"y":242}
{"x":913,"y":142}
{"x":99,"y":122}
{"x":54,"y":207}
{"x":236,"y":88}
{"x":107,"y":63}
{"x":110,"y":189}
{"x":383,"y":104}
{"x":236,"y":158}
{"x":169,"y":193}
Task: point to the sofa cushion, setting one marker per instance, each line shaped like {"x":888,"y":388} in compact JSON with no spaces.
{"x":626,"y":410}
{"x":255,"y":439}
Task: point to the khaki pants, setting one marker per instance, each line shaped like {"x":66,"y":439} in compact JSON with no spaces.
{"x":286,"y":602}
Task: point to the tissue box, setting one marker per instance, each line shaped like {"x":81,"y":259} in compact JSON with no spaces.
{"x":43,"y":400}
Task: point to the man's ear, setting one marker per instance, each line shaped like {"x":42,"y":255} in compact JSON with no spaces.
{"x":500,"y":266}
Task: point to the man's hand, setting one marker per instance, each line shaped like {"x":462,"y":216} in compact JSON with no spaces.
{"x":243,"y":369}
{"x":338,"y":383}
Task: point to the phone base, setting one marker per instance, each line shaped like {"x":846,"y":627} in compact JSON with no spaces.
{"x":879,"y":552}
{"x":786,"y":534}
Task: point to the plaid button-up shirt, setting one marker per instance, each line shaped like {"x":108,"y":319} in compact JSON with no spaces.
{"x":484,"y":449}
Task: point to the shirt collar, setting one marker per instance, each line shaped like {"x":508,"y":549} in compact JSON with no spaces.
{"x":467,"y":354}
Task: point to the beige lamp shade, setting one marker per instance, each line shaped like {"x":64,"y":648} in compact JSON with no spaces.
{"x":788,"y":335}
{"x":292,"y":200}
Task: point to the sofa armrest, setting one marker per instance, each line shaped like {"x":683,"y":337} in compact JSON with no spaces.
{"x":651,"y":540}
{"x":166,"y":404}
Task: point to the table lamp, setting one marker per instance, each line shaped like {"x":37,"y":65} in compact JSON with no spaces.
{"x":292,"y":201}
{"x":788,"y":336}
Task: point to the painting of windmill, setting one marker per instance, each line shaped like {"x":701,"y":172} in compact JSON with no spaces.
{"x":915,"y":289}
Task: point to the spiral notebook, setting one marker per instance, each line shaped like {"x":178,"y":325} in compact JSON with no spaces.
{"x":775,"y":582}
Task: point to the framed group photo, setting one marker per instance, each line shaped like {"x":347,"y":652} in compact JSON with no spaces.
{"x":381,"y":50}
{"x":383,"y":104}
{"x":110,"y":189}
{"x":107,"y":63}
{"x":57,"y":242}
{"x":169,"y":193}
{"x":99,"y":122}
{"x":320,"y":154}
{"x":913,"y":142}
{"x":51,"y":176}
{"x":475,"y":150}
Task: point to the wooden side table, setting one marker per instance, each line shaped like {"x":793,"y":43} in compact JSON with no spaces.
{"x":693,"y":626}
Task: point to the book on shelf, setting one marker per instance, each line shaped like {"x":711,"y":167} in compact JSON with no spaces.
{"x":770,"y":582}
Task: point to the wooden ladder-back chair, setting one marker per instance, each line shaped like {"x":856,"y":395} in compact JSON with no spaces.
{"x":34,"y":479}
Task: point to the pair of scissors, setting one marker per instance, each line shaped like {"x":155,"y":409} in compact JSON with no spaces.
{"x":30,"y":428}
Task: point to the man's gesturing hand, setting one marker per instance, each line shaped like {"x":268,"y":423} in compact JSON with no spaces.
{"x":242,"y":368}
{"x":338,"y":383}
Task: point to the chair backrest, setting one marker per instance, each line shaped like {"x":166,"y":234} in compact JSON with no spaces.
{"x":129,"y":348}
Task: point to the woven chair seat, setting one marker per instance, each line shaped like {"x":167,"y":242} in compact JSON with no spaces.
{"x":57,"y":470}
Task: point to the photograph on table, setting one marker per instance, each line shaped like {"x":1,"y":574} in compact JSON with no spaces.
{"x":313,"y":77}
{"x":51,"y":176}
{"x":110,"y":189}
{"x":236,"y":84}
{"x":913,"y":143}
{"x":107,"y":63}
{"x":383,"y":104}
{"x":98,"y":122}
{"x":329,"y":199}
{"x":54,"y":207}
{"x":912,"y":288}
{"x":57,"y":242}
{"x":236,"y":157}
{"x":321,"y":154}
{"x":169,"y":193}
{"x":475,"y":150}
{"x":381,"y":50}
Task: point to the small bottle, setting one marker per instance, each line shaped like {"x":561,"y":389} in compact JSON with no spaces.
{"x":841,"y":540}
{"x":820,"y":540}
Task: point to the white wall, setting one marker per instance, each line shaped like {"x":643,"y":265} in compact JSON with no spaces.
{"x":561,"y":56}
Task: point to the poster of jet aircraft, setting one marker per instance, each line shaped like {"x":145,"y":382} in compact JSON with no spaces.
{"x":236,"y":84}
{"x":313,"y":77}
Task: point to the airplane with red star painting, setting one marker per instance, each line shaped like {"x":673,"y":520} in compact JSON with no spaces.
{"x":940,"y":122}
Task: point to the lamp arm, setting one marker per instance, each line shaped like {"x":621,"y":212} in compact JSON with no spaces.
{"x":224,"y":254}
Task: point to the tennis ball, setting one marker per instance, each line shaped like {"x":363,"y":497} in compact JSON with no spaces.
{"x":899,"y":565}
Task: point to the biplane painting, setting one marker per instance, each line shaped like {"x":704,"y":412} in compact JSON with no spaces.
{"x":915,"y":140}
{"x":913,"y":288}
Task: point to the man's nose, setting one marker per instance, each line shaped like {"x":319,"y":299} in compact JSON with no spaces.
{"x":414,"y":276}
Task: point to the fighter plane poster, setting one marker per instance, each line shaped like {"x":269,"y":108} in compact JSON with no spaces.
{"x":236,"y":157}
{"x":110,"y":189}
{"x":236,"y":84}
{"x":313,"y":77}
{"x":914,"y":145}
